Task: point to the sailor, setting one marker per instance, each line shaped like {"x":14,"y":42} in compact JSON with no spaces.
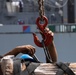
{"x":20,"y":6}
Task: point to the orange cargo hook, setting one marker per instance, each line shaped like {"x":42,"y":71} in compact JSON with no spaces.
{"x":48,"y":38}
{"x":42,"y":26}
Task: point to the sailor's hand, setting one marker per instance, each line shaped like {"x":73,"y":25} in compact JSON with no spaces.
{"x":48,"y":32}
{"x":29,"y":49}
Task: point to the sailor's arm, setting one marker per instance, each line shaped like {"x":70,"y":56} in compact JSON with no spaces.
{"x":29,"y":49}
{"x":52,"y":52}
{"x":51,"y":47}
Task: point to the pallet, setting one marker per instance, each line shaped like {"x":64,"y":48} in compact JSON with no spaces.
{"x":51,"y":69}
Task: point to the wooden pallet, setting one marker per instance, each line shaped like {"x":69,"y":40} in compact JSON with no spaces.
{"x":51,"y":69}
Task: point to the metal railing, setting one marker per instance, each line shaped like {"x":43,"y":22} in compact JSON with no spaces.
{"x":56,"y":28}
{"x":62,"y":28}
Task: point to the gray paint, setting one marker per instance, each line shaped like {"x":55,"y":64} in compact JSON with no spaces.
{"x":75,"y":11}
{"x":65,"y":44}
{"x":65,"y":16}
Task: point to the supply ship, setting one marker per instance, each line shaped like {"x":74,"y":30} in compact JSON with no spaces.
{"x":18,"y":21}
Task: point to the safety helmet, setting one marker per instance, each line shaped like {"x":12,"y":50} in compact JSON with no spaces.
{"x":27,"y":57}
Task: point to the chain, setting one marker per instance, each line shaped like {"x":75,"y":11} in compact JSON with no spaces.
{"x":41,"y":8}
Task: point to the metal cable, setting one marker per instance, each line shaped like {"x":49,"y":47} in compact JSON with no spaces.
{"x":41,"y":8}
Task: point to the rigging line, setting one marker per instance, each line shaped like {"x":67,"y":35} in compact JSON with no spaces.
{"x":54,"y":6}
{"x":46,"y":52}
{"x":41,"y":8}
{"x":48,"y":3}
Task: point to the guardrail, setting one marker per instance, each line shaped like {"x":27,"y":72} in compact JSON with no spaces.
{"x":21,"y":29}
{"x":62,"y":28}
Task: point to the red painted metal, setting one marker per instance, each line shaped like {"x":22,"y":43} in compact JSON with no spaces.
{"x":47,"y":38}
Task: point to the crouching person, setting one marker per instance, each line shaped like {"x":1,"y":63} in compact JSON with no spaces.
{"x":7,"y":65}
{"x":24,"y":65}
